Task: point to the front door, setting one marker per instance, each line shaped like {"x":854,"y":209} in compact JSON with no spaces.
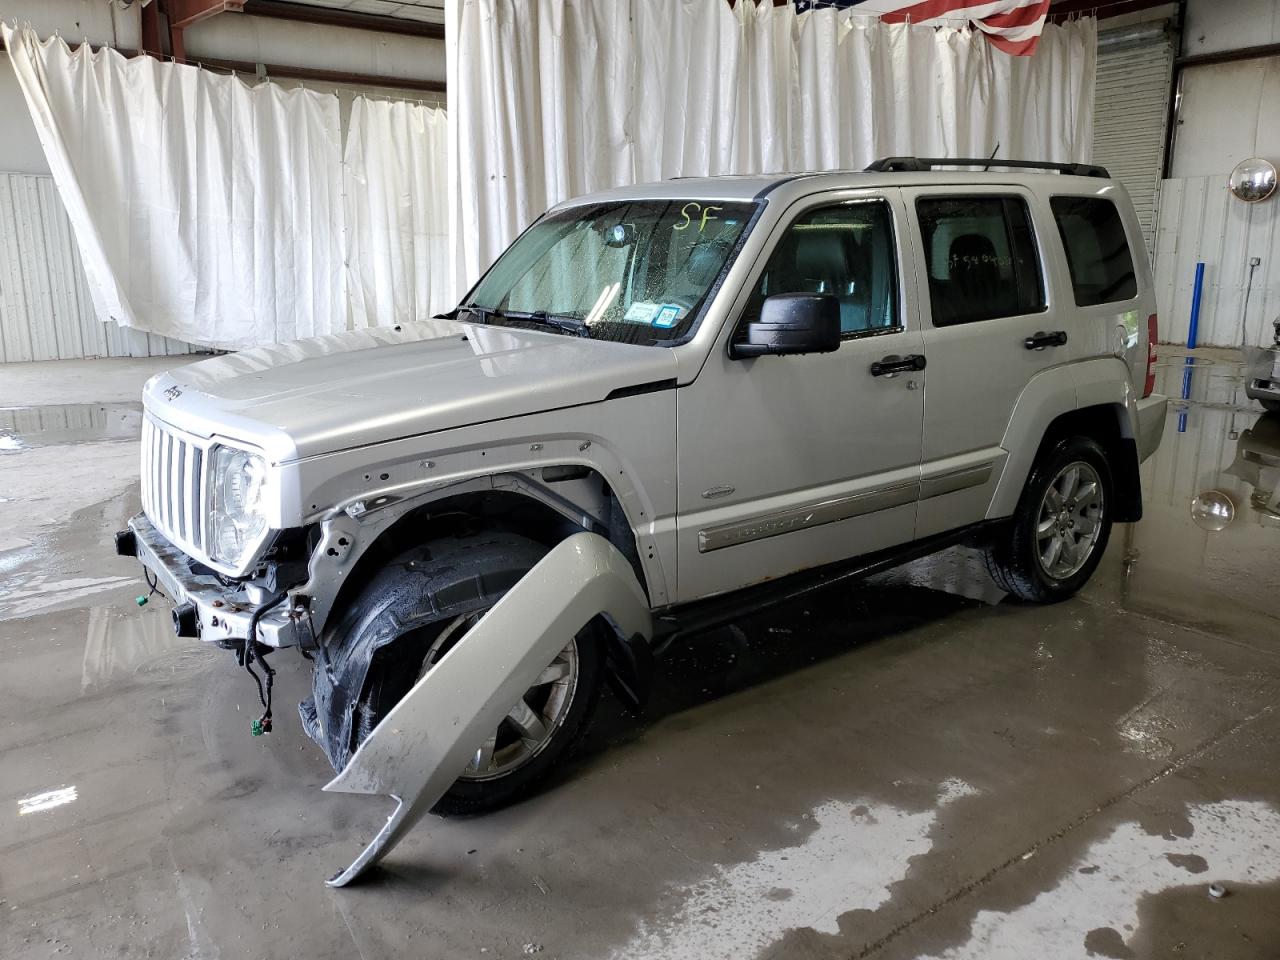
{"x":792,"y":462}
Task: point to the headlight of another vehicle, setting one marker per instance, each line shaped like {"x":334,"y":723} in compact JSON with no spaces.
{"x":238,"y":524}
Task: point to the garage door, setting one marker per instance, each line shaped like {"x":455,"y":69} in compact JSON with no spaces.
{"x":1131,"y":109}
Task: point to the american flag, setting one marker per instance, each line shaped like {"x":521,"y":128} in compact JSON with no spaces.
{"x":1011,"y":25}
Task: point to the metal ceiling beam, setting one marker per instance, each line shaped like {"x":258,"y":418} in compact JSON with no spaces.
{"x":183,"y":13}
{"x":329,"y":16}
{"x":270,"y":71}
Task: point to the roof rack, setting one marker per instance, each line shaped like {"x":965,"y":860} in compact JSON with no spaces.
{"x":924,"y":164}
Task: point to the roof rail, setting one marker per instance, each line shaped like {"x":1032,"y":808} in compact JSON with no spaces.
{"x":924,"y":164}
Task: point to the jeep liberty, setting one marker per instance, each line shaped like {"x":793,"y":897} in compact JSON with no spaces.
{"x":662,"y":407}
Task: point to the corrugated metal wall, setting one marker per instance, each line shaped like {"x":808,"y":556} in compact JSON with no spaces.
{"x":1201,"y":220}
{"x":45,"y":309}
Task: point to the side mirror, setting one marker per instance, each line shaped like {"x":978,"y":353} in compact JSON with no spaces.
{"x":792,"y":323}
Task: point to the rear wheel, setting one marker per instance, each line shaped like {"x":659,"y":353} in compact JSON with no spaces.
{"x":1060,"y":529}
{"x":437,"y":593}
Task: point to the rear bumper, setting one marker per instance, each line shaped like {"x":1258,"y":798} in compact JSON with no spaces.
{"x":1152,"y":413}
{"x":223,"y":613}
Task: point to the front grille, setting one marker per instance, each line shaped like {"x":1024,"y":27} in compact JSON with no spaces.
{"x":173,"y":485}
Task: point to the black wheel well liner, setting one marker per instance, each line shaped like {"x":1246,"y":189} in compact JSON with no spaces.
{"x":1108,"y":424}
{"x":508,"y":510}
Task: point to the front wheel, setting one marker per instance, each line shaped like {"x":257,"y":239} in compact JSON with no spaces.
{"x":422,"y":604}
{"x":1059,"y":531}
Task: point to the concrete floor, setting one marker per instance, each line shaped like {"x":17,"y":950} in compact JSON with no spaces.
{"x":908,"y":768}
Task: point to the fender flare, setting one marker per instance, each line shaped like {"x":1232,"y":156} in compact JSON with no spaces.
{"x":418,"y":750}
{"x":1048,"y":395}
{"x":1051,"y":394}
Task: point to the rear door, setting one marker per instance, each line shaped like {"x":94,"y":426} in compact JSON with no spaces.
{"x":991,"y":325}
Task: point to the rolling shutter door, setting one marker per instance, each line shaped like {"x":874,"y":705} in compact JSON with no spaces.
{"x":1131,"y":109}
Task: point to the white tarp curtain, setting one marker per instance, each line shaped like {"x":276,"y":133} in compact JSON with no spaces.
{"x":397,"y":217}
{"x":205,"y":209}
{"x":554,"y":98}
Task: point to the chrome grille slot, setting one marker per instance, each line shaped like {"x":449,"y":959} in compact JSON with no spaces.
{"x":173,"y":484}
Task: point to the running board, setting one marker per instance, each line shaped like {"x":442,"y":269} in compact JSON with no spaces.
{"x":419,"y":749}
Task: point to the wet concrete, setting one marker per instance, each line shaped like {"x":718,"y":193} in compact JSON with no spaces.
{"x":911,"y":768}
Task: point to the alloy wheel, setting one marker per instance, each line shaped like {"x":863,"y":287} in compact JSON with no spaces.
{"x":1069,"y":520}
{"x":532,"y":723}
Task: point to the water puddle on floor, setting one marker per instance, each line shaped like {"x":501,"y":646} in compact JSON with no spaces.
{"x":123,"y":644}
{"x":24,"y":427}
{"x":26,"y":597}
{"x":1211,"y":492}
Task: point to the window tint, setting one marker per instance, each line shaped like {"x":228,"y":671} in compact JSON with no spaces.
{"x":845,"y":251}
{"x":981,"y":258}
{"x":1097,"y":250}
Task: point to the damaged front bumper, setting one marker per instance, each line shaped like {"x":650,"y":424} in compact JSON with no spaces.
{"x":421,"y":747}
{"x":217,"y":611}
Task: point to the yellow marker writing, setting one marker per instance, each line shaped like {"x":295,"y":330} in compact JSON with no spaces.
{"x":707,"y":214}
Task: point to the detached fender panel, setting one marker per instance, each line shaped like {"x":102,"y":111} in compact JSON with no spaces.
{"x":419,"y":749}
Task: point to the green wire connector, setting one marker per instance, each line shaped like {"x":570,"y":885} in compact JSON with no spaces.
{"x":256,"y":728}
{"x":140,"y":601}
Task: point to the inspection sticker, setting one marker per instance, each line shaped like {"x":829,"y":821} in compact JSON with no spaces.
{"x":668,"y":315}
{"x":641,"y":312}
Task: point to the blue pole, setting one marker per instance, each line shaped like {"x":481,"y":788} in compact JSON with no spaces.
{"x":1194,"y":329}
{"x":1193,"y":332}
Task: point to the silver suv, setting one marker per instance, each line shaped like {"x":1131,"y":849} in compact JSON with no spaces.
{"x":663,"y":406}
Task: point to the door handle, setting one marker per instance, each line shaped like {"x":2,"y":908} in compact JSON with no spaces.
{"x":893,"y":363}
{"x":1040,"y":340}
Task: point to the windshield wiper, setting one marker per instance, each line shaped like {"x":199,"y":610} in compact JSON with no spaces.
{"x":557,"y":321}
{"x":482,"y":314}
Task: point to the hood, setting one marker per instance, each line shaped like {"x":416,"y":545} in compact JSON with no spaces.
{"x":315,"y":396}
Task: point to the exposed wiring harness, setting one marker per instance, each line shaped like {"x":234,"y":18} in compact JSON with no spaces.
{"x":249,"y":652}
{"x":154,"y":585}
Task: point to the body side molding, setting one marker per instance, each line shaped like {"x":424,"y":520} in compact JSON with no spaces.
{"x":840,"y":508}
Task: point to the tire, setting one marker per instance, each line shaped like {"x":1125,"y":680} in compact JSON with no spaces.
{"x":426,"y":599}
{"x":1022,"y":558}
{"x":1271,"y":406}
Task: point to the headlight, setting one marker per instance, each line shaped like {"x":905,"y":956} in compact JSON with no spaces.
{"x":239,"y":478}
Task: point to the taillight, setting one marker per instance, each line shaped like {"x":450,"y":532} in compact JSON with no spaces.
{"x":1153,"y":334}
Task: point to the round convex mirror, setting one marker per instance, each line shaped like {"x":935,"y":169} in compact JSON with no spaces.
{"x":1213,"y":510}
{"x":1253,"y":180}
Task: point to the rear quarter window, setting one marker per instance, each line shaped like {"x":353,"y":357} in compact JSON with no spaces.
{"x":1098,"y":254}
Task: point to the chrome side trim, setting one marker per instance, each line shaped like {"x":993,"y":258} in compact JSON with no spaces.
{"x":801,"y":518}
{"x":841,"y":508}
{"x":954,"y":480}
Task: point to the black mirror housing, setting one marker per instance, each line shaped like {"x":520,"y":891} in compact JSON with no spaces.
{"x":792,"y":323}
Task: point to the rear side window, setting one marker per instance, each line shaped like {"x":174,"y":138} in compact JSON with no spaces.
{"x":981,"y":258}
{"x":1097,"y":250}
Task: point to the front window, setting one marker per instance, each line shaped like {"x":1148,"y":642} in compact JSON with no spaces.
{"x":633,"y":271}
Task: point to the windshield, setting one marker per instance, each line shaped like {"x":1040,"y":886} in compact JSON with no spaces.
{"x":634,"y":271}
